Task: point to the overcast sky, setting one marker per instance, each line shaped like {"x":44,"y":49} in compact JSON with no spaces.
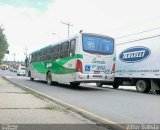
{"x":37,"y":23}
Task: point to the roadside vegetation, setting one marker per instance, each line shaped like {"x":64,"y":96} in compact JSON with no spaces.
{"x":55,"y":107}
{"x":3,"y":44}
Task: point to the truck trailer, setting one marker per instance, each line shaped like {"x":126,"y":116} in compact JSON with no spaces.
{"x":138,"y":61}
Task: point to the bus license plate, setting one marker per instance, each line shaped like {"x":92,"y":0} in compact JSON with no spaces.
{"x":100,"y":68}
{"x":96,"y":72}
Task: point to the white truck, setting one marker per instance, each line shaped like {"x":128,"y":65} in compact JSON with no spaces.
{"x":138,"y":61}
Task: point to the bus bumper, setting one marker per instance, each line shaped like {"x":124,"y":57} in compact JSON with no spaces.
{"x":94,"y":77}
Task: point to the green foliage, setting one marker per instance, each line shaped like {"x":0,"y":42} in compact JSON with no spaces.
{"x":3,"y":44}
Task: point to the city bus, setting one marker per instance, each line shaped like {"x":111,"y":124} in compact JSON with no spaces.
{"x":83,"y":58}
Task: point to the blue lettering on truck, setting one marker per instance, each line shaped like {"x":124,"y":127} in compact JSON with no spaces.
{"x":134,"y":54}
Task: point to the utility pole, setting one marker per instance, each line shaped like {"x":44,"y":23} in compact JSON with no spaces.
{"x":26,"y":49}
{"x":14,"y":55}
{"x":26,"y":60}
{"x":68,"y":24}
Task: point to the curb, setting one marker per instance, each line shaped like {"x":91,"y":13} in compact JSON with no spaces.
{"x":84,"y":113}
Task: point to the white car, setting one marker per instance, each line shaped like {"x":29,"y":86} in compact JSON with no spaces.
{"x":21,"y":70}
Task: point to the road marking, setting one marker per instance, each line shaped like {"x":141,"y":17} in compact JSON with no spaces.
{"x":16,"y":77}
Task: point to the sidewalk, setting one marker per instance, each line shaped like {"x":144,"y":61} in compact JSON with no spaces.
{"x":21,"y":107}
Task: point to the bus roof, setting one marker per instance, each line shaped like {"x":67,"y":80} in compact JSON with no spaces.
{"x":74,"y":36}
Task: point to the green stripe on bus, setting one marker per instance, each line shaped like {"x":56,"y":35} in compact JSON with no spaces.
{"x":78,"y":56}
{"x":57,"y":66}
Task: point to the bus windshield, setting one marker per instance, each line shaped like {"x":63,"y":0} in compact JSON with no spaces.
{"x":98,"y":44}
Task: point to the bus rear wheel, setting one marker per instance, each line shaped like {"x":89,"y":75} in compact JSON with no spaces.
{"x":49,"y":78}
{"x":99,"y":84}
{"x":143,"y":86}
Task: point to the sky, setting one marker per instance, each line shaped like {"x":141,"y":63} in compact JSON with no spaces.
{"x":33,"y":24}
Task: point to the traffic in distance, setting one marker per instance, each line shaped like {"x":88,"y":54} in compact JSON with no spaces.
{"x":19,"y":68}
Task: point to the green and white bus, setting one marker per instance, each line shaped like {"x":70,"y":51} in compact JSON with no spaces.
{"x":85,"y":57}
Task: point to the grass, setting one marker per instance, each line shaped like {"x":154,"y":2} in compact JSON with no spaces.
{"x":55,"y":107}
{"x":51,"y":107}
{"x":34,"y":94}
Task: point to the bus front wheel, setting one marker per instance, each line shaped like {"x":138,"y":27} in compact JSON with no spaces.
{"x":30,"y":76}
{"x":49,"y":78}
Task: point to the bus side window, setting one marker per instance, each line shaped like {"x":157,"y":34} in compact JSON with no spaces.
{"x":36,"y":56}
{"x":45,"y":55}
{"x":48,"y":56}
{"x":32,"y":58}
{"x":64,"y":49}
{"x":72,"y":47}
{"x":40,"y":55}
{"x":55,"y":52}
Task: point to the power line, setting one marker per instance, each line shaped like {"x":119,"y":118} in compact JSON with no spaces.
{"x":139,"y":32}
{"x":134,"y":24}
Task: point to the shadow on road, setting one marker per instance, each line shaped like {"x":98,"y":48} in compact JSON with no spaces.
{"x":82,"y":87}
{"x":88,"y":87}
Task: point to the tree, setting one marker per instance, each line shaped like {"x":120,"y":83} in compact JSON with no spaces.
{"x":3,"y":44}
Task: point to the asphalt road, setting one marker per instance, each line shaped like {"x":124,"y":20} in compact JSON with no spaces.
{"x":120,"y":106}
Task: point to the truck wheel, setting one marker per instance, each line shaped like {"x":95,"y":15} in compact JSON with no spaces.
{"x":74,"y":84}
{"x":143,"y":86}
{"x":157,"y":91}
{"x":115,"y":85}
{"x":99,"y":84}
{"x":49,"y":78}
